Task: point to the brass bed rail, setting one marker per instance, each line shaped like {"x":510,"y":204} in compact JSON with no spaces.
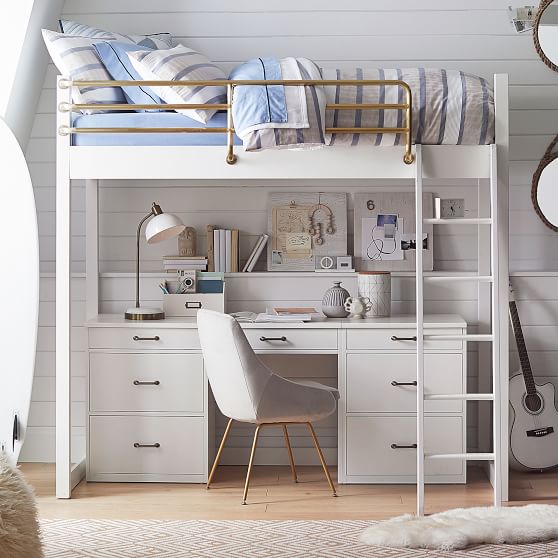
{"x":406,"y":129}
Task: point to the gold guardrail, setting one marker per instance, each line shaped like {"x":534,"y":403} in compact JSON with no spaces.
{"x":407,"y":106}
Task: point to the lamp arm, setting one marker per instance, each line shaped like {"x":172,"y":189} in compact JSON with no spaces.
{"x":150,"y":214}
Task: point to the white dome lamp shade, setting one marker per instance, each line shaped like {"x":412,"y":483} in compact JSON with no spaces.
{"x":162,"y":227}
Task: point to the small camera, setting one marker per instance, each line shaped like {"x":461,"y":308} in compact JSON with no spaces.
{"x":186,"y":281}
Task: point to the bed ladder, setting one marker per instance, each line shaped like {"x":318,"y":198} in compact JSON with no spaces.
{"x":492,"y":337}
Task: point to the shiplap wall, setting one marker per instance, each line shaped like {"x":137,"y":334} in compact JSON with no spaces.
{"x":474,"y":36}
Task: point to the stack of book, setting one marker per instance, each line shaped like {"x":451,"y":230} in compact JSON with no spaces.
{"x":173,"y":264}
{"x":222,"y":249}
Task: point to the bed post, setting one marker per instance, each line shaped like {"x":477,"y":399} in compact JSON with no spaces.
{"x":63,"y":296}
{"x":501,"y":105}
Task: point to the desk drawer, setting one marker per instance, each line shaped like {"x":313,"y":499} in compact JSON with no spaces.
{"x":396,"y":339}
{"x":292,"y":339}
{"x":369,"y":440}
{"x":181,"y":448}
{"x":143,"y":338}
{"x":369,"y":377}
{"x":127,"y":382}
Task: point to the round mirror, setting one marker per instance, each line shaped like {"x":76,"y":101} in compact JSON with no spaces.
{"x":545,"y":192}
{"x":545,"y":33}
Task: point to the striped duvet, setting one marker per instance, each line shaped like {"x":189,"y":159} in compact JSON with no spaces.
{"x":449,"y":107}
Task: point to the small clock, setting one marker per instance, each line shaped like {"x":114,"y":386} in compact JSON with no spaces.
{"x":452,"y":208}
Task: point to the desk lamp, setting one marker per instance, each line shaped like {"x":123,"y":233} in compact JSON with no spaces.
{"x":162,"y":227}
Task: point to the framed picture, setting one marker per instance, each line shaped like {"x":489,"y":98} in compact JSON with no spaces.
{"x":384,"y":231}
{"x":304,"y":226}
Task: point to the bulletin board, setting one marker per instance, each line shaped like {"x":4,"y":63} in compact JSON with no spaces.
{"x":303,"y":226}
{"x":384,"y":231}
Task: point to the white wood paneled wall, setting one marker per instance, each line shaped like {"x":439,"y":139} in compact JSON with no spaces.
{"x":474,"y":36}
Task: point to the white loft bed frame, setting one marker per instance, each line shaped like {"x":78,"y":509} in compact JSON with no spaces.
{"x":482,"y":163}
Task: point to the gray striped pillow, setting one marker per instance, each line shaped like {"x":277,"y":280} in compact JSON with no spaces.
{"x":181,"y":63}
{"x":154,"y":40}
{"x":76,"y":58}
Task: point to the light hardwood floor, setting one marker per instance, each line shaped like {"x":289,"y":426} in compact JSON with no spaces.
{"x":273,"y":495}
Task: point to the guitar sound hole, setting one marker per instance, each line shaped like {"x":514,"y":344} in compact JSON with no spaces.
{"x":533,"y":403}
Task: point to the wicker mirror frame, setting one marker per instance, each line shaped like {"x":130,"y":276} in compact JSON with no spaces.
{"x":548,"y":158}
{"x":542,"y":7}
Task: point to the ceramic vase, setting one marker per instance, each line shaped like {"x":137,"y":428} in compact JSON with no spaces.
{"x":333,"y":303}
{"x":376,"y":285}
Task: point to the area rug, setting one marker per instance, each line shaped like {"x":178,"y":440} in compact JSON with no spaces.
{"x":460,"y":528}
{"x":242,"y":539}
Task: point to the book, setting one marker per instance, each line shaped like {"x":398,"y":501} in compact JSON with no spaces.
{"x":228,"y":251}
{"x":256,"y":253}
{"x":210,"y":252}
{"x":222,"y":250}
{"x":216,"y":250}
{"x":295,"y":310}
{"x":235,"y":250}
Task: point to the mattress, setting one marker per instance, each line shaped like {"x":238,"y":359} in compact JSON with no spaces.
{"x":148,"y":120}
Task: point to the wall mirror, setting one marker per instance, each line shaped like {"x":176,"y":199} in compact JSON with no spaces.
{"x":545,"y":33}
{"x":544,"y":192}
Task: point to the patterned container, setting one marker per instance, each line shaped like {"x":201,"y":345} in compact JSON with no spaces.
{"x":333,"y":303}
{"x":376,"y":285}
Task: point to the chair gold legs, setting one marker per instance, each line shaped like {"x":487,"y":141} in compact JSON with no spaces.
{"x":219,"y":451}
{"x":291,"y":458}
{"x":321,"y":456}
{"x":253,"y":453}
{"x":250,"y":463}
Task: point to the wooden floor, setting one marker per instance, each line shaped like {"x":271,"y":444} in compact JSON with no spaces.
{"x":273,"y":495}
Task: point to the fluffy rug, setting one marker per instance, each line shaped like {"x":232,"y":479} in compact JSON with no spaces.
{"x":19,"y":529}
{"x":242,"y":539}
{"x":455,"y":529}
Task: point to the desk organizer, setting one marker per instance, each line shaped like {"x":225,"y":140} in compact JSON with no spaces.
{"x":187,"y":305}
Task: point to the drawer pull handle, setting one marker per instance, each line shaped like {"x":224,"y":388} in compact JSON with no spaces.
{"x":141,"y":383}
{"x":137,"y":338}
{"x":395,"y":338}
{"x":394,"y":383}
{"x":155,"y":445}
{"x":398,"y":446}
{"x":282,"y":338}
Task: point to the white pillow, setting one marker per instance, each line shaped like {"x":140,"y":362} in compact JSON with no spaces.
{"x":76,"y":58}
{"x":155,"y":40}
{"x":181,"y":63}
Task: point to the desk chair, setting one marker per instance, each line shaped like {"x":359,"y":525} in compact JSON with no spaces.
{"x":247,"y":391}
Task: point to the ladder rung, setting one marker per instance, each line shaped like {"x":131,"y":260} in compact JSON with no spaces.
{"x":465,"y":337}
{"x":459,"y":221}
{"x":463,"y":456}
{"x":460,"y":396}
{"x":479,"y":278}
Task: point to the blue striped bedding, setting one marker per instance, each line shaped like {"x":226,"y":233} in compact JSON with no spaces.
{"x":449,"y":107}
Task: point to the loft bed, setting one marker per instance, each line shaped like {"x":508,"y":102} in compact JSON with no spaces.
{"x":88,"y":148}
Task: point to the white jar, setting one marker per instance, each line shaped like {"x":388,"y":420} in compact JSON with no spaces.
{"x":376,"y":285}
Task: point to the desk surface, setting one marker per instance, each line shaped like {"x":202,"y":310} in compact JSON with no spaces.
{"x":397,"y":321}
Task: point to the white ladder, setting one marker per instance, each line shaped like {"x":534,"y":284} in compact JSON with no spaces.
{"x":493,"y":337}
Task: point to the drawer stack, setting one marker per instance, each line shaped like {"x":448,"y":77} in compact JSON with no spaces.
{"x":147,"y":411}
{"x":379,"y":418}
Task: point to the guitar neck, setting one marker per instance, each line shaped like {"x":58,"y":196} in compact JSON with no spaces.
{"x":522,"y":350}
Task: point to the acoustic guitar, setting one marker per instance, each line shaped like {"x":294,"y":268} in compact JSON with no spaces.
{"x":533,"y":413}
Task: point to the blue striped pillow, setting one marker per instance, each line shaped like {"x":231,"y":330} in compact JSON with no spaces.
{"x":115,"y":58}
{"x":179,"y":64}
{"x":76,"y":58}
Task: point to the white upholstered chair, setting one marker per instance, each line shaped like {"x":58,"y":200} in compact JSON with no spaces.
{"x":247,"y":391}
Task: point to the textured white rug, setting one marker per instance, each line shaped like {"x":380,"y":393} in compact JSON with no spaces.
{"x":460,"y":528}
{"x":242,"y":539}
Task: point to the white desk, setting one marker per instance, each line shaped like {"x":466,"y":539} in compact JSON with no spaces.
{"x":127,"y":407}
